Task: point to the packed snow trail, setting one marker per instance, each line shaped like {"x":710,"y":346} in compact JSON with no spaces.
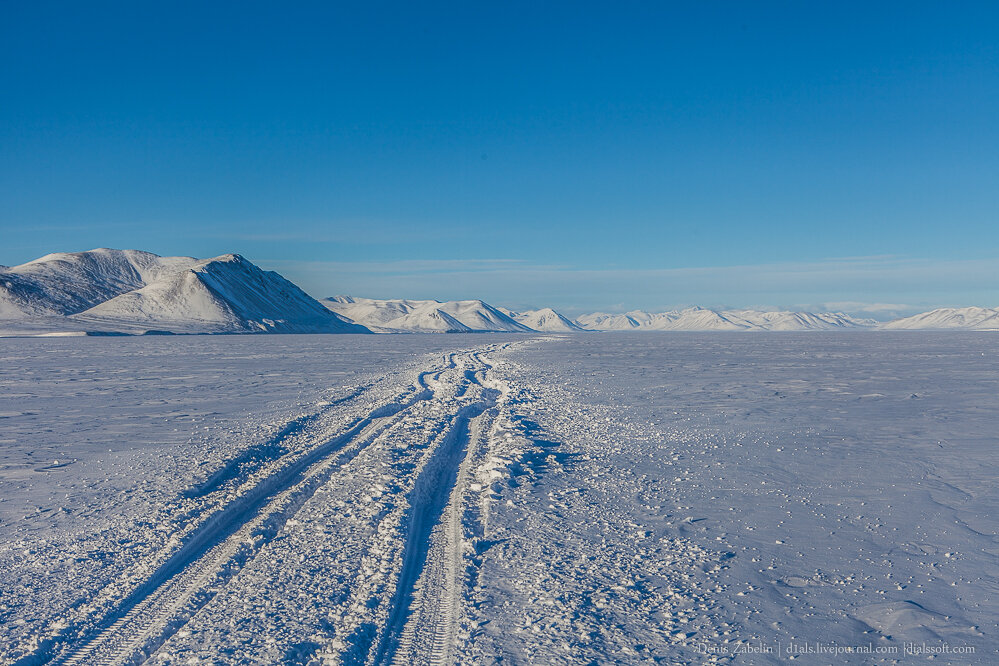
{"x":150,"y":615}
{"x":428,"y":583}
{"x":416,"y":592}
{"x":453,"y":401}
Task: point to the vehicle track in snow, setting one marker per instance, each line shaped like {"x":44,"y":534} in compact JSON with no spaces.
{"x":270,"y":450}
{"x":216,"y":551}
{"x":421,"y":617}
{"x":420,"y":579}
{"x":428,"y":636}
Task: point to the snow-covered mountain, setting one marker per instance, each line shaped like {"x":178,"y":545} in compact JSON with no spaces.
{"x":797,"y":321}
{"x":66,"y":283}
{"x":702,"y":319}
{"x":972,"y":318}
{"x":691,"y":319}
{"x":424,"y":316}
{"x":130,"y":291}
{"x":465,"y":316}
{"x":546,"y":320}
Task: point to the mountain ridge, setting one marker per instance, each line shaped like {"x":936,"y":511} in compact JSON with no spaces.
{"x":127,"y":291}
{"x":546,"y":320}
{"x":967,"y":318}
{"x":424,"y":316}
{"x":704,"y":319}
{"x":132,"y":291}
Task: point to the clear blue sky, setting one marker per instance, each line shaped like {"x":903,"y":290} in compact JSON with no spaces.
{"x":590,"y":156}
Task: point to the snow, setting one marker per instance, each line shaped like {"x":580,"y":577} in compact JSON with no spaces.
{"x":397,"y":316}
{"x":631,"y":498}
{"x":984,"y":319}
{"x":107,"y":291}
{"x":844,"y":482}
{"x":546,"y":320}
{"x":393,"y":316}
{"x":68,"y":283}
{"x":127,"y":291}
{"x":225,"y":294}
{"x":703,"y":319}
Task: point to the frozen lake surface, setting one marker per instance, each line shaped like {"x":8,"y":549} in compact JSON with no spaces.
{"x":633,"y":498}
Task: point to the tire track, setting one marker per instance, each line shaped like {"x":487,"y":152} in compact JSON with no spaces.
{"x":218,"y":549}
{"x":421,"y":624}
{"x":438,"y":616}
{"x":420,"y":585}
{"x":258,"y":456}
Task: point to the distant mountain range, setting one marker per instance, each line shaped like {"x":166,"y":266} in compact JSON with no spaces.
{"x":107,"y":291}
{"x":701,"y":319}
{"x":978,"y":319}
{"x":404,"y":316}
{"x":546,"y":320}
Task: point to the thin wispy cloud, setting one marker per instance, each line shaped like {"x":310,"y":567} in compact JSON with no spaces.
{"x":408,"y":266}
{"x":849,"y":268}
{"x":862,"y":285}
{"x":874,"y":308}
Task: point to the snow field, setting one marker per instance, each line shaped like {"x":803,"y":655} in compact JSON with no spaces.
{"x":847,"y":483}
{"x":560,"y":499}
{"x":128,"y":510}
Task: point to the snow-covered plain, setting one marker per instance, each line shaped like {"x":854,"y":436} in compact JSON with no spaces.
{"x":635,"y":498}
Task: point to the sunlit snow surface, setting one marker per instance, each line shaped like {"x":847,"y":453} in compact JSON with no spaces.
{"x":455,"y":499}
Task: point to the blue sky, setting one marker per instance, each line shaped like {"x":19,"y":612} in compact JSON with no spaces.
{"x":589,"y":156}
